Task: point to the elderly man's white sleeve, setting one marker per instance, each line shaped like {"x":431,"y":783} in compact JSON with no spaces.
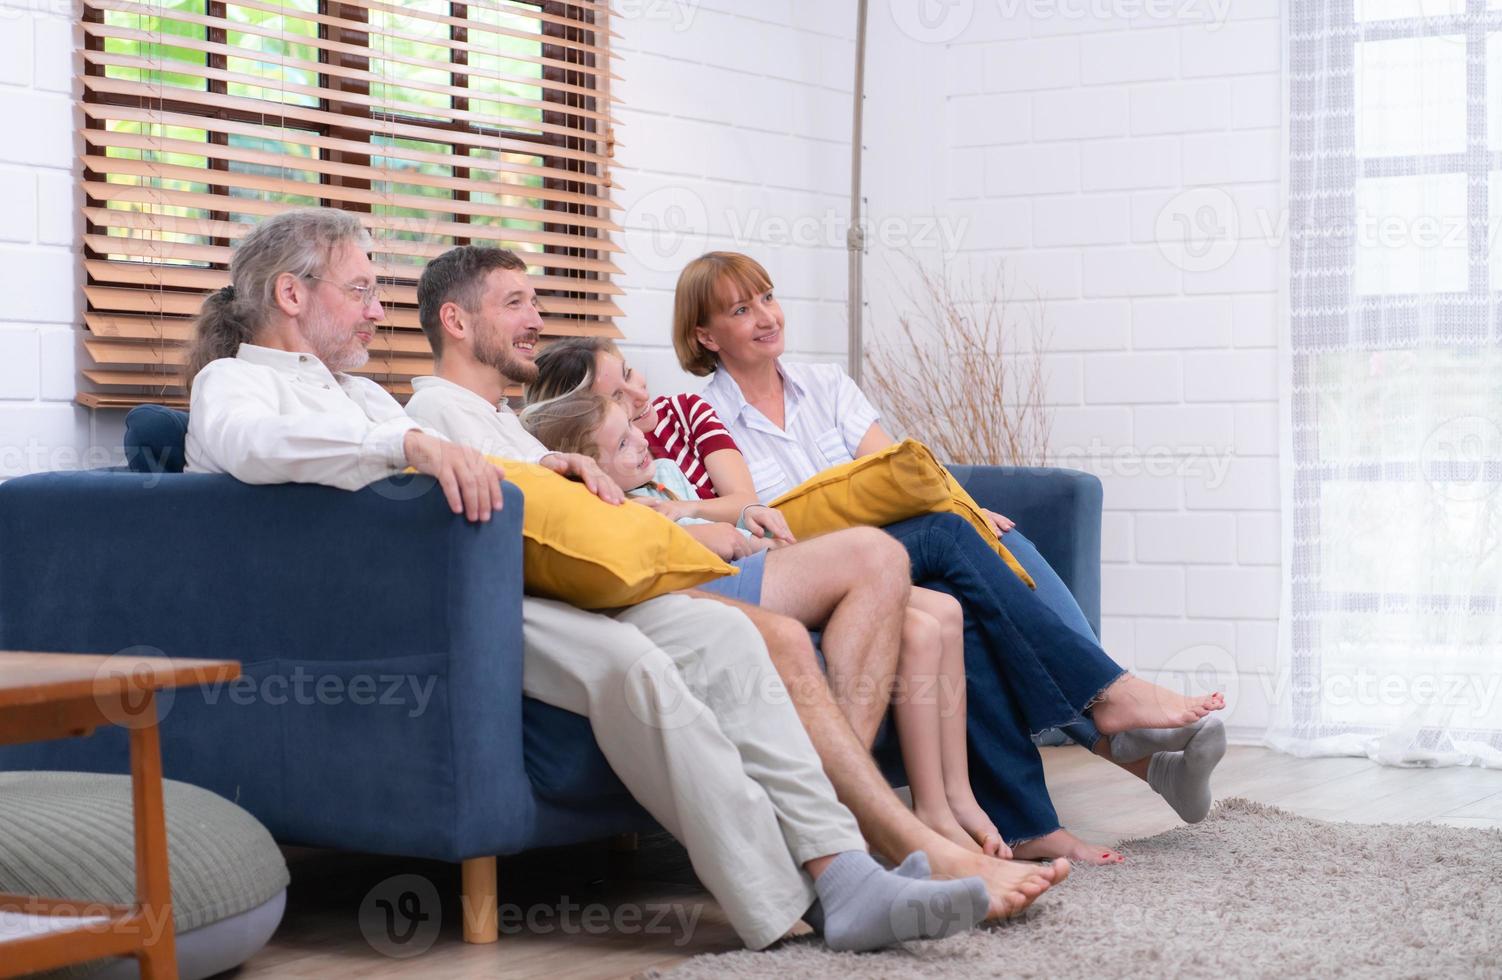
{"x":235,"y":427}
{"x":853,"y":410}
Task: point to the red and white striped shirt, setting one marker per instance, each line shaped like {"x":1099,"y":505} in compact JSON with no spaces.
{"x":687,"y":431}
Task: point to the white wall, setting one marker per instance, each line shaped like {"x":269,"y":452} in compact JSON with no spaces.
{"x":735,"y":134}
{"x":40,"y":299}
{"x":1070,"y":139}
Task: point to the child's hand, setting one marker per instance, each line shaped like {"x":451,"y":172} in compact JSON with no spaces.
{"x":673,"y":510}
{"x":767,"y":522}
{"x":992,"y":844}
{"x":724,"y":540}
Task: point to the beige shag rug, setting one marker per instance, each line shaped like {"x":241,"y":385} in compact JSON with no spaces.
{"x":1252,"y":892}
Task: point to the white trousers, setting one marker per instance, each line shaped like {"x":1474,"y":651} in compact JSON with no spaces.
{"x":692,"y":716}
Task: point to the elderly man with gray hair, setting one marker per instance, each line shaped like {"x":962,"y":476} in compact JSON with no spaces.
{"x":736,"y":780}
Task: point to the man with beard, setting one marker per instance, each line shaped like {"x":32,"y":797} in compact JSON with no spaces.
{"x":735,"y":778}
{"x":481,"y":317}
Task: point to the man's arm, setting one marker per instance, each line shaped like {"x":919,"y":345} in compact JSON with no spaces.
{"x":235,"y":427}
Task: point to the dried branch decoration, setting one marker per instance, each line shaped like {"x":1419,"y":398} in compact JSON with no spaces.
{"x":957,"y":378}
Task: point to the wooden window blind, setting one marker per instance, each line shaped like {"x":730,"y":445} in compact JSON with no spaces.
{"x":442,"y":123}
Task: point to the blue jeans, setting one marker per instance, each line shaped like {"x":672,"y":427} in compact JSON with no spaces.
{"x":1054,"y":594}
{"x":1026,"y":668}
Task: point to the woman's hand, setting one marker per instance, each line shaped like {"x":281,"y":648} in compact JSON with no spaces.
{"x":470,"y":482}
{"x":1000,"y":523}
{"x":673,"y":510}
{"x":723,"y":539}
{"x":767,"y":522}
{"x":577,"y":466}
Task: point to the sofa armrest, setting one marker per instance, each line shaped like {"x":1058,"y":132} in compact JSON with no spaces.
{"x":1059,"y":510}
{"x":380,"y":706}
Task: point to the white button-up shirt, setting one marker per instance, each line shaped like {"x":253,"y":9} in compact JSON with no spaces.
{"x":274,"y":416}
{"x":462,"y":416}
{"x":826,"y":417}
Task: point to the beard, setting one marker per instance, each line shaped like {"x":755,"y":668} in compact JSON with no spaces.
{"x":503,"y":358}
{"x":338,"y":348}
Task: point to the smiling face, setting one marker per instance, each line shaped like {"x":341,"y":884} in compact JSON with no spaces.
{"x":338,"y":325}
{"x":506,"y":325}
{"x":743,"y":328}
{"x":617,"y":381}
{"x":622,"y":450}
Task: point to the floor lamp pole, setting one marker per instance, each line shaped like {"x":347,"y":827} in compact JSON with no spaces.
{"x":855,"y":236}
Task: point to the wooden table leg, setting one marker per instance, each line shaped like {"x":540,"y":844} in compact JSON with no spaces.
{"x":158,"y":955}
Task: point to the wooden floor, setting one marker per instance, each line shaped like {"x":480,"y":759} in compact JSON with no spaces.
{"x":660,"y":916}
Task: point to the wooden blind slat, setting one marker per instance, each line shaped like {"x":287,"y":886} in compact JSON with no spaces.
{"x":105,"y":139}
{"x":318,"y":92}
{"x":331,"y":192}
{"x":310,"y":139}
{"x":124,"y":33}
{"x":277,"y":113}
{"x":147,"y":10}
{"x":157,"y":224}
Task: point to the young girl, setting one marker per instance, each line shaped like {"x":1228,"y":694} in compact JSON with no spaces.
{"x":929,"y":690}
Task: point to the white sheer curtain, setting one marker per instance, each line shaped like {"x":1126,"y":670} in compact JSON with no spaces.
{"x":1392,"y":643}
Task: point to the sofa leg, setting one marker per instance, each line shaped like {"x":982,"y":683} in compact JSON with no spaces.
{"x":479,"y":900}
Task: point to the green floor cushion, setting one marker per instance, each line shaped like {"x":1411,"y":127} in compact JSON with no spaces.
{"x":70,"y":835}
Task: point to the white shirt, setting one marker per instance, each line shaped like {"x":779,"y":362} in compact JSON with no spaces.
{"x":460,"y":415}
{"x":274,"y":416}
{"x":826,"y":417}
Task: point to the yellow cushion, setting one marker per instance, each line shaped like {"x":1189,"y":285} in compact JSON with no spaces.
{"x":883,"y":488}
{"x":594,"y":555}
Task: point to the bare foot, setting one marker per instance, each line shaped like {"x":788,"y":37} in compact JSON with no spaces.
{"x":1012,"y":885}
{"x":973,"y":820}
{"x":1062,"y":844}
{"x":1134,"y":703}
{"x":943,"y":822}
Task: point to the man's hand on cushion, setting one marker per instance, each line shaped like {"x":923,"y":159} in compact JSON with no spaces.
{"x":1000,"y":523}
{"x":470,"y":482}
{"x":577,"y":466}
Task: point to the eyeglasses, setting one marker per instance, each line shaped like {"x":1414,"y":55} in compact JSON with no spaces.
{"x":365,"y":294}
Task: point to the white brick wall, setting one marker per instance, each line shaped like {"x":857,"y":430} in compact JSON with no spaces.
{"x":735,"y":130}
{"x":40,"y":427}
{"x":1117,"y":131}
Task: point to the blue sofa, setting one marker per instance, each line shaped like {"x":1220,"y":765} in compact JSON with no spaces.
{"x":316,"y":591}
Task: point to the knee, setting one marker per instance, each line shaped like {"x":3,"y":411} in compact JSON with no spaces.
{"x":876,"y":550}
{"x":949,"y":617}
{"x":921,"y":635}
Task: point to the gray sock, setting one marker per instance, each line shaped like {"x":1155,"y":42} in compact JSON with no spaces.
{"x":862,"y":907}
{"x":915,"y":866}
{"x":1183,"y":778}
{"x":1139,"y":743}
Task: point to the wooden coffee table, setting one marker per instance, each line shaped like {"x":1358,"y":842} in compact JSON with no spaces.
{"x":61,"y":695}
